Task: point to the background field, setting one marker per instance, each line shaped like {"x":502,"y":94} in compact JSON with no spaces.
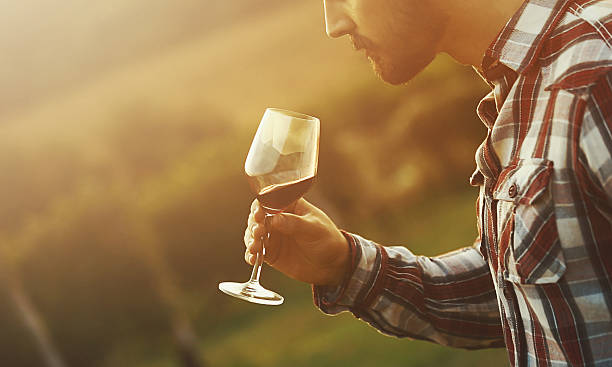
{"x":123,"y":130}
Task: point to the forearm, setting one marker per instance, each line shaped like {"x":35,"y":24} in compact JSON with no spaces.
{"x":448,"y":299}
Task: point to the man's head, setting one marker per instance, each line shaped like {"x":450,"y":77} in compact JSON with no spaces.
{"x":400,"y":37}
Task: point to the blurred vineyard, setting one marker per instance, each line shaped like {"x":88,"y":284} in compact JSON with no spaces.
{"x":123,"y":130}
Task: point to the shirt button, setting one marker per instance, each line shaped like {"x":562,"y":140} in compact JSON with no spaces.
{"x":512,"y":190}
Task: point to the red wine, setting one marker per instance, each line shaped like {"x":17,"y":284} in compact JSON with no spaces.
{"x":276,"y":198}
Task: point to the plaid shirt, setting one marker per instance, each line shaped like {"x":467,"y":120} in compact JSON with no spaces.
{"x":539,"y":277}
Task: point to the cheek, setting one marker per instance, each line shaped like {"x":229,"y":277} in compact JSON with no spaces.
{"x":400,"y":30}
{"x":373,"y":18}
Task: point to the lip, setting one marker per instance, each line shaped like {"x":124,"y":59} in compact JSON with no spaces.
{"x":372,"y":56}
{"x":358,"y":43}
{"x":362,"y":43}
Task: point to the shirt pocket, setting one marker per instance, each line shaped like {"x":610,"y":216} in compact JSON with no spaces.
{"x":530,"y":241}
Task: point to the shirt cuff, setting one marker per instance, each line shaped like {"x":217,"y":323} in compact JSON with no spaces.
{"x":361,"y":284}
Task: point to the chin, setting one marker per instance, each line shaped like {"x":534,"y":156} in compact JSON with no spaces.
{"x":395,"y":74}
{"x":394,"y":77}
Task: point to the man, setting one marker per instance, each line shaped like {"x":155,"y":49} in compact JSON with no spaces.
{"x":539,"y":277}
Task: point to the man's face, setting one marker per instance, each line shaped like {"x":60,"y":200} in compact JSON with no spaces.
{"x":400,"y":37}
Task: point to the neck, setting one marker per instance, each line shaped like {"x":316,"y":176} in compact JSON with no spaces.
{"x":473,"y":25}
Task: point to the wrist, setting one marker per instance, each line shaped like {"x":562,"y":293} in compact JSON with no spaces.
{"x":344,"y":265}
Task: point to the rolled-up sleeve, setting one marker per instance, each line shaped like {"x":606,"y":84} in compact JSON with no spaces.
{"x":448,"y":299}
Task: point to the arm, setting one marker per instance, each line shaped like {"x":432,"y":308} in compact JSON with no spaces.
{"x":449,"y":299}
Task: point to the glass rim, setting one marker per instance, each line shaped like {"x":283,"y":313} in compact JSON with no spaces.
{"x":293,"y":114}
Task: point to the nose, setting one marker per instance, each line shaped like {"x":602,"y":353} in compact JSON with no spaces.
{"x":337,"y":22}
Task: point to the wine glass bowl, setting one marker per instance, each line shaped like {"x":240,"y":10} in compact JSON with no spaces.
{"x":281,"y":166}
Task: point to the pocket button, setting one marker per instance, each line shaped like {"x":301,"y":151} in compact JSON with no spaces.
{"x":512,"y":190}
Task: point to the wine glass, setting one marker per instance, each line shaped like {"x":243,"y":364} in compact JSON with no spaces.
{"x":280,"y":167}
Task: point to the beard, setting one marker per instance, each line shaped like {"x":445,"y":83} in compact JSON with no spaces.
{"x":399,"y":69}
{"x":393,"y":68}
{"x":405,"y":45}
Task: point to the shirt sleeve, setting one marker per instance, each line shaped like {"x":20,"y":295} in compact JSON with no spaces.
{"x":596,"y":137}
{"x":449,"y":299}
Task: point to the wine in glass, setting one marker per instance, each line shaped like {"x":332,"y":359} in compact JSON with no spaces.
{"x":280,"y":167}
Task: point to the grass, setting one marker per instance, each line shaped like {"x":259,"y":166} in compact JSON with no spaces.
{"x":160,"y":141}
{"x":297,"y":334}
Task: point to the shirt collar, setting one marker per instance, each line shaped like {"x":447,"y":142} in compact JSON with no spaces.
{"x":519,"y":42}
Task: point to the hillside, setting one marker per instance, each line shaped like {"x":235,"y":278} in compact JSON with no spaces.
{"x":49,"y":46}
{"x":123,"y":130}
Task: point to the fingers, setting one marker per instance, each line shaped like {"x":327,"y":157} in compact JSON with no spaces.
{"x":254,"y":240}
{"x":256,"y":220}
{"x":252,"y":248}
{"x":300,"y":207}
{"x":303,"y":208}
{"x":249,"y":258}
{"x":254,"y":232}
{"x":299,"y":225}
{"x":257,"y":211}
{"x":286,"y":223}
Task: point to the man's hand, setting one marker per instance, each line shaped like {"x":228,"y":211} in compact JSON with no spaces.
{"x":304,"y":243}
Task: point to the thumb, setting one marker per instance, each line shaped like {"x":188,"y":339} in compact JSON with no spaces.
{"x":286,"y":223}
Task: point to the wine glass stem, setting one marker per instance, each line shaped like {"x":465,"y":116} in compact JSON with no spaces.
{"x":256,"y":269}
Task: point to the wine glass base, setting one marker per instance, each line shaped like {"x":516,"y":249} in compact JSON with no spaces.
{"x":252,"y":292}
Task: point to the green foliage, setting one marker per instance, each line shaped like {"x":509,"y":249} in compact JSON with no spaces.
{"x":119,"y":224}
{"x":298,"y":335}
